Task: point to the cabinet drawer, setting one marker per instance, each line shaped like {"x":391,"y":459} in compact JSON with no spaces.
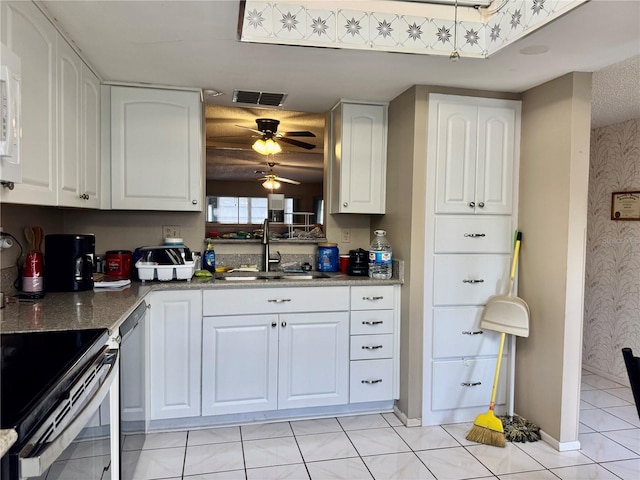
{"x":275,"y":300}
{"x":469,"y":279}
{"x":473,"y":234}
{"x":364,"y":347}
{"x":466,"y":383}
{"x":372,"y":297}
{"x":371,"y":381}
{"x":457,"y":333}
{"x":371,"y":322}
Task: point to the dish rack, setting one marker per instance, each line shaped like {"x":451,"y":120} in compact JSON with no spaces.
{"x":165,"y":273}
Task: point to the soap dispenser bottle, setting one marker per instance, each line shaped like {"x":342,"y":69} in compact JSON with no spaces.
{"x":209,"y":258}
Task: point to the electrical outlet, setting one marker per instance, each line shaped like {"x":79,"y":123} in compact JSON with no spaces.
{"x":171,"y":231}
{"x":346,"y":235}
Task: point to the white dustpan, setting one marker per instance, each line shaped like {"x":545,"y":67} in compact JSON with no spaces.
{"x":507,"y":313}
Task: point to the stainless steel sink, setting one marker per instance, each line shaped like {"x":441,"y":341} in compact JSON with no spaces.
{"x":249,"y":276}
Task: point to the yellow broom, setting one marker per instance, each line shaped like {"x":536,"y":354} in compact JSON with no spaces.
{"x":487,"y":428}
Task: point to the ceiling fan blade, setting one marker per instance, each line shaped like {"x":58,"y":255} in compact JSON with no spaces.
{"x":286,"y":180}
{"x":303,"y":133}
{"x":251,"y":129}
{"x":297,"y":143}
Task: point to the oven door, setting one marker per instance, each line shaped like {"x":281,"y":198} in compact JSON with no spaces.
{"x":62,"y":444}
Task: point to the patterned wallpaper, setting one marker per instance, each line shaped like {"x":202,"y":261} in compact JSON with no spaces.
{"x":405,"y":27}
{"x":612,"y":284}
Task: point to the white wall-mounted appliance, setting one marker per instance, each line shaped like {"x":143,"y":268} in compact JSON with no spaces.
{"x":10,"y":125}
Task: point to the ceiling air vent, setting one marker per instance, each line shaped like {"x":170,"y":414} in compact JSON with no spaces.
{"x":259,"y":98}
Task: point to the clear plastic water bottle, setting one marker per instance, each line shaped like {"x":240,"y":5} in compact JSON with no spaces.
{"x":380,"y":266}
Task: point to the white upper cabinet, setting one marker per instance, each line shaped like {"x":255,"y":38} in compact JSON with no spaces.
{"x":156,"y":149}
{"x":358,"y":158}
{"x":32,"y":37}
{"x":78,"y":131}
{"x":60,"y":114}
{"x":475,"y":142}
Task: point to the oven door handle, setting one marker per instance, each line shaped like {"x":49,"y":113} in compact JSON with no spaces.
{"x":36,"y":465}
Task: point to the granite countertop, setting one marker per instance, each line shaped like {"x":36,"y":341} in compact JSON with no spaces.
{"x":109,"y":308}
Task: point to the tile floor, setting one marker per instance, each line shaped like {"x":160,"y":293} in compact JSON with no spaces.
{"x":379,"y":447}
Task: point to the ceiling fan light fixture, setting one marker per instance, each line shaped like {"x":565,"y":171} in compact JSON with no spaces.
{"x":266,"y":147}
{"x":271,"y":184}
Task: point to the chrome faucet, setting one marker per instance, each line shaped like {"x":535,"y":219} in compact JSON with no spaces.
{"x":266,"y":259}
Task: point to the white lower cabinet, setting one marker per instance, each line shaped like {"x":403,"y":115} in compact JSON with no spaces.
{"x":374,"y":344}
{"x":238,"y":351}
{"x":175,"y":335}
{"x":256,"y":362}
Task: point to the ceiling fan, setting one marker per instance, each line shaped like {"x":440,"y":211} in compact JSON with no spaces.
{"x":271,"y":179}
{"x":268,"y":131}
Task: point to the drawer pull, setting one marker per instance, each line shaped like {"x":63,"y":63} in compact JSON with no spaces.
{"x":373,"y":298}
{"x":474,"y":235}
{"x":470,"y":384}
{"x":279,"y":300}
{"x":371,"y":382}
{"x":375,"y":322}
{"x":473,"y":281}
{"x":477,"y":332}
{"x":371,"y":347}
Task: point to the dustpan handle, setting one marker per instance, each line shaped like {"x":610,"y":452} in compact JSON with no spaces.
{"x":514,"y":263}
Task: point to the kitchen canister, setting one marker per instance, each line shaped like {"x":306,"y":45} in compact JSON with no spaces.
{"x":118,"y":264}
{"x":328,"y":258}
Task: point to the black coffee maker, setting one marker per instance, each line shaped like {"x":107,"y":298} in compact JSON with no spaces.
{"x":68,"y":263}
{"x":358,"y":265}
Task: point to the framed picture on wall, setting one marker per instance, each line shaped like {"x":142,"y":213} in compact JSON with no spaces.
{"x":625,"y":205}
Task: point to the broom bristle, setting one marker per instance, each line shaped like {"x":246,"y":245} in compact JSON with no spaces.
{"x":487,"y":436}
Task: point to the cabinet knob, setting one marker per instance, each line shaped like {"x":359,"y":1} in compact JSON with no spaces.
{"x":195,"y":202}
{"x":481,"y":204}
{"x":345,"y":204}
{"x":284,"y":324}
{"x":274,"y":324}
{"x":472,"y":204}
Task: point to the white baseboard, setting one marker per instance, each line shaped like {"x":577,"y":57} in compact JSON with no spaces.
{"x":408,"y":422}
{"x":559,"y":446}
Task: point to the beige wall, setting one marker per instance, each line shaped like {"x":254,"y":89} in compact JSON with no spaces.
{"x":552,"y":216}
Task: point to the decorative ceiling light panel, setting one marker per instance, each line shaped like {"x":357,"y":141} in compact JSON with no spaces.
{"x":404,"y":27}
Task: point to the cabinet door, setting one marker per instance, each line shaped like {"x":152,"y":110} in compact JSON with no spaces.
{"x":175,"y":331}
{"x":30,"y":36}
{"x":313,"y":360}
{"x":239,"y":364}
{"x":156,"y":149}
{"x":90,"y":139}
{"x":359,"y":166}
{"x":496,"y":150}
{"x":456,"y":144}
{"x":69,"y":72}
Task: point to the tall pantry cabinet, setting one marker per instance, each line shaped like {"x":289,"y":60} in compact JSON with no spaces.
{"x":471,"y":215}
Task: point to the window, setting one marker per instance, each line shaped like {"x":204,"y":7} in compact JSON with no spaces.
{"x":243,"y":210}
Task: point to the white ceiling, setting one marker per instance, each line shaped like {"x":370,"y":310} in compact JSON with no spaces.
{"x":193,"y":44}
